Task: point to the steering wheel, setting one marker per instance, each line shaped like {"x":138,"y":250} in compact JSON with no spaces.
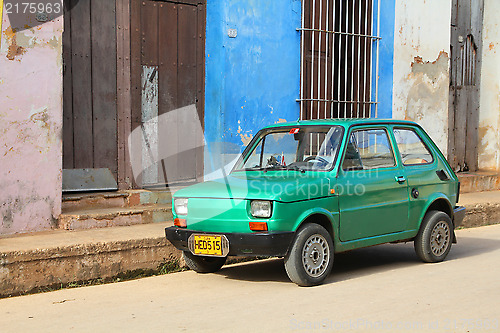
{"x":317,"y":158}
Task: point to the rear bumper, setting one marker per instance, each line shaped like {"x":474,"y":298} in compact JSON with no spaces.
{"x":240,"y":244}
{"x":458,"y":216}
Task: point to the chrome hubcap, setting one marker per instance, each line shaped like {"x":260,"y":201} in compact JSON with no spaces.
{"x":440,"y":238}
{"x":315,"y":255}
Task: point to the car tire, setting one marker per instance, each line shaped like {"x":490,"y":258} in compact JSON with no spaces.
{"x":433,"y":241}
{"x":310,"y":259}
{"x":201,"y":264}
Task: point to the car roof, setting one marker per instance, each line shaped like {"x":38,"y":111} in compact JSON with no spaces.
{"x":345,"y":122}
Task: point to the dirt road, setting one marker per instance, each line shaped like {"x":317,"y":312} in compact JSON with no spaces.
{"x":383,"y":289}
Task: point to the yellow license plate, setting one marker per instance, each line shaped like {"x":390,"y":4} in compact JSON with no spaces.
{"x":208,"y":245}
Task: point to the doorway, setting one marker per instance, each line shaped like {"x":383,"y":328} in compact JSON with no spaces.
{"x":168,"y":70}
{"x":465,"y":69}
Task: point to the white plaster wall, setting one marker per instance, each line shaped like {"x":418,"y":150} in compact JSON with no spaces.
{"x":30,"y":127}
{"x":421,"y":65}
{"x":489,"y":114}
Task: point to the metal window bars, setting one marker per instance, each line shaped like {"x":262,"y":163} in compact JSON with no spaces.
{"x":339,"y":48}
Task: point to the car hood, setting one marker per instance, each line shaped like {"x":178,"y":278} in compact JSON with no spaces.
{"x":283,"y":186}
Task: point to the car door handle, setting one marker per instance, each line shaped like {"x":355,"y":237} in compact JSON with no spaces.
{"x":400,"y":179}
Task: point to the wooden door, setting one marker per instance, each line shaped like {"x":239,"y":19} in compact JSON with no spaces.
{"x":89,"y":75}
{"x":465,"y":69}
{"x":168,"y":50}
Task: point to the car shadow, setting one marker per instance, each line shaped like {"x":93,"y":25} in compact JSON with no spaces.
{"x":470,"y":246}
{"x":358,"y":263}
{"x":267,"y":270}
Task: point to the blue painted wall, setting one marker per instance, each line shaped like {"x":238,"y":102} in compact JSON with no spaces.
{"x":386,"y":58}
{"x":251,"y":80}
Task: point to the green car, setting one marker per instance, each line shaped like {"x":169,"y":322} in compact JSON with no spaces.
{"x":306,"y":190}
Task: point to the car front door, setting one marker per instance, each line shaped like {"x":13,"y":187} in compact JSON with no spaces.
{"x":420,"y":168}
{"x":372,"y":188}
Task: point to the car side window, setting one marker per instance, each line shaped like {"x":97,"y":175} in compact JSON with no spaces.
{"x":411,"y":147}
{"x":368,"y":149}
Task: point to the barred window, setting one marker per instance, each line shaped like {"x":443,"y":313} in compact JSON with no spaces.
{"x":339,"y":59}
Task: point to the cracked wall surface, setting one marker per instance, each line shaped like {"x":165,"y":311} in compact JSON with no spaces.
{"x":30,"y":127}
{"x":421,"y":66}
{"x":253,"y":78}
{"x":489,"y":115}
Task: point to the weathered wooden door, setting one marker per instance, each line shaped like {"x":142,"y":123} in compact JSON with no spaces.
{"x":465,"y":69}
{"x":89,"y":74}
{"x":168,"y":51}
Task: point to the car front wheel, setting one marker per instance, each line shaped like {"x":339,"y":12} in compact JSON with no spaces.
{"x":201,"y":264}
{"x":310,"y":259}
{"x":433,"y":241}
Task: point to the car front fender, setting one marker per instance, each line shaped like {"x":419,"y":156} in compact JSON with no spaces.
{"x":331,"y":217}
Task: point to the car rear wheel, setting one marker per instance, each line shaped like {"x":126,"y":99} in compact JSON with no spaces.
{"x":433,"y":241}
{"x":310,"y":259}
{"x":201,"y":264}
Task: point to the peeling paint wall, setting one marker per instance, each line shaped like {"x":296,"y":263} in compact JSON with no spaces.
{"x":30,"y":127}
{"x":421,"y":65}
{"x":252,"y":76}
{"x":489,"y":114}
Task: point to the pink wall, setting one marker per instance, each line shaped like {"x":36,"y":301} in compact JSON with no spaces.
{"x":30,"y":127}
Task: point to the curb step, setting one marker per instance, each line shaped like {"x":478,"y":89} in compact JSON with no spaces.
{"x":115,"y":216}
{"x":478,"y":181}
{"x":111,"y":209}
{"x":131,"y":198}
{"x":72,"y":202}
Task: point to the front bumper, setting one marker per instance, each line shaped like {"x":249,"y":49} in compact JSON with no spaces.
{"x":240,"y":244}
{"x":458,"y":216}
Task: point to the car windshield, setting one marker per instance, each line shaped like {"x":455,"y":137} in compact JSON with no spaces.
{"x":298,"y":148}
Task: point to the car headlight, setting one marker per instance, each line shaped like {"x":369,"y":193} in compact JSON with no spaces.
{"x":259,"y":208}
{"x":181,"y":206}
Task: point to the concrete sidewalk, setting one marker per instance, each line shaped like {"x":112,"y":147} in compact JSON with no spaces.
{"x":60,"y":257}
